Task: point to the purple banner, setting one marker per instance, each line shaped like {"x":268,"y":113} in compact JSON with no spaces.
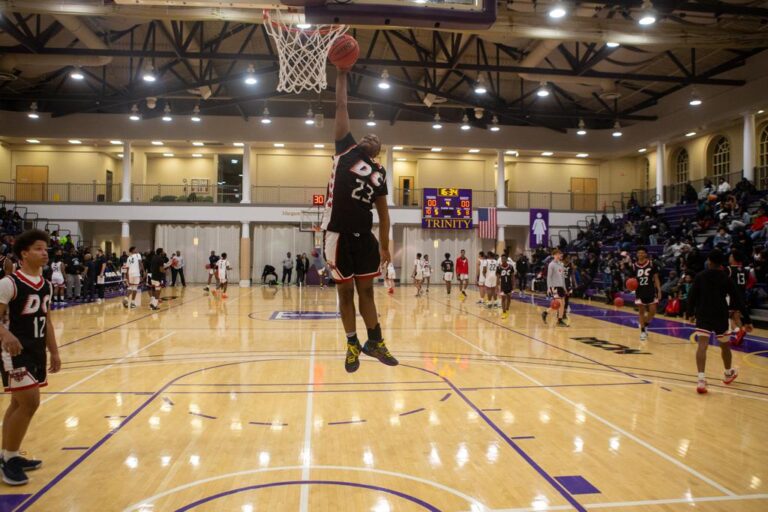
{"x":538,"y":225}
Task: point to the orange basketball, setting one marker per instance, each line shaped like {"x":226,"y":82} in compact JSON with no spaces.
{"x":712,"y":197}
{"x":555,"y":304}
{"x":344,"y":52}
{"x":632,"y":284}
{"x":618,"y":302}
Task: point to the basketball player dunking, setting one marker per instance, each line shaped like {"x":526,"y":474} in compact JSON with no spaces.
{"x":357,"y":183}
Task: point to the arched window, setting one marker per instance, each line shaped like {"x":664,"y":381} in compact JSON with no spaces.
{"x":681,"y":167}
{"x":721,"y":158}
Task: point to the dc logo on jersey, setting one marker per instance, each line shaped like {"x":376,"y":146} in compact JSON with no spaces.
{"x":361,"y":169}
{"x":377,"y":179}
{"x":33,"y":305}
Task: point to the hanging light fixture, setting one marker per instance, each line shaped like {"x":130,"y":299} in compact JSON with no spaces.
{"x":495,"y":124}
{"x":617,"y":130}
{"x":265,"y":119}
{"x":647,"y":14}
{"x":195,"y":118}
{"x":582,"y":128}
{"x":77,"y":74}
{"x":371,"y":119}
{"x":310,"y":120}
{"x":32,"y":114}
{"x":250,"y":76}
{"x":480,"y":87}
{"x":543,"y":91}
{"x":167,"y":114}
{"x":149,"y":74}
{"x":135,"y":115}
{"x":437,"y":125}
{"x":557,"y":11}
{"x":465,"y":126}
{"x":384,"y":82}
{"x":695,"y":99}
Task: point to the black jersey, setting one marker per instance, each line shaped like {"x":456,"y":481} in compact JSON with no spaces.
{"x":156,"y":267}
{"x":707,"y":300}
{"x":506,"y":277}
{"x":646,"y":274}
{"x":28,"y":308}
{"x":739,"y":276}
{"x":567,"y":273}
{"x":212,"y":261}
{"x":356,"y":181}
{"x":447,"y":266}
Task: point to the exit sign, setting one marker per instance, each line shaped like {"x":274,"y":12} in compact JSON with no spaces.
{"x":318,"y":200}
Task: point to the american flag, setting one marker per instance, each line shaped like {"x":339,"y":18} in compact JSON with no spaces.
{"x":487,"y":222}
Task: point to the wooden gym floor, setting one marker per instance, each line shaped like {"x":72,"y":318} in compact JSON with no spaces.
{"x":243,"y":405}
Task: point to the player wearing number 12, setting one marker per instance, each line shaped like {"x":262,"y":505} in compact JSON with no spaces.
{"x":648,"y":291}
{"x":357,"y":184}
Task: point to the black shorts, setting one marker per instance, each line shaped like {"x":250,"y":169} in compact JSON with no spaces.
{"x":352,"y":255}
{"x":558,"y":292}
{"x":712,"y":326}
{"x":646,"y":297}
{"x":27,"y":370}
{"x":506,"y":290}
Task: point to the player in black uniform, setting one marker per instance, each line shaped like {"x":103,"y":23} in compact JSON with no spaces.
{"x":569,"y":283}
{"x":648,"y":291}
{"x":26,"y":296}
{"x":357,"y":184}
{"x":740,"y":275}
{"x":157,"y":276}
{"x":506,"y":273}
{"x":707,"y":302}
{"x":447,"y":267}
{"x":212,"y":260}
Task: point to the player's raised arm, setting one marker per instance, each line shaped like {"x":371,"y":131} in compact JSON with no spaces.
{"x":342,"y":114}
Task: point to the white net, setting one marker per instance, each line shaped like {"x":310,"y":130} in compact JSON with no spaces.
{"x":302,"y":52}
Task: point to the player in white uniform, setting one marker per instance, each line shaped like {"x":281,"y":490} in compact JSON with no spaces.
{"x":481,"y":264}
{"x":135,"y":273}
{"x":57,"y":279}
{"x":427,"y":271}
{"x":389,"y":281}
{"x":491,"y":265}
{"x":222,"y":266}
{"x":418,"y":273}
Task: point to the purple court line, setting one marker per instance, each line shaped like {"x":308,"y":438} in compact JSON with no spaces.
{"x":75,"y":447}
{"x":202,"y":415}
{"x":348,"y":422}
{"x":168,"y":401}
{"x":492,"y":410}
{"x":126,"y":323}
{"x":527,"y":458}
{"x":446,"y":397}
{"x":540,"y":340}
{"x":423,"y":504}
{"x":523,"y":437}
{"x":413,"y":411}
{"x":266,"y":424}
{"x":596,"y":384}
{"x":322,"y":383}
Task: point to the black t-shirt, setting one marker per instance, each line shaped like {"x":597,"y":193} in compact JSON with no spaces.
{"x":706,"y":300}
{"x":212,"y":260}
{"x":739,"y":276}
{"x":156,"y":266}
{"x":356,"y":181}
{"x":447,"y":266}
{"x":645,"y":277}
{"x":506,"y":277}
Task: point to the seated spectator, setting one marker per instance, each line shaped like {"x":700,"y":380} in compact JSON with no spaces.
{"x":758,"y":228}
{"x":722,"y":238}
{"x":670,"y":285}
{"x":706,"y":189}
{"x":689,"y":195}
{"x":723,"y":187}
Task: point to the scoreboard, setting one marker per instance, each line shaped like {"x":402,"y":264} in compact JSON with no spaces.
{"x":447,"y":208}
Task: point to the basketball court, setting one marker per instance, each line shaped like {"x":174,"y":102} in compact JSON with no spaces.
{"x":244,"y":405}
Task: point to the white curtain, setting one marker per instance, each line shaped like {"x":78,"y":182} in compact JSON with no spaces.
{"x":411,"y":240}
{"x":209,"y":237}
{"x":271,"y":242}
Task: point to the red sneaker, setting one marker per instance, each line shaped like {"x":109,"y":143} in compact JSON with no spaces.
{"x":701,"y":386}
{"x":730,"y":377}
{"x":738,"y":339}
{"x":224,"y":296}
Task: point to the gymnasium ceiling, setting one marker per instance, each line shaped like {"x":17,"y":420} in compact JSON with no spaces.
{"x":201,"y":54}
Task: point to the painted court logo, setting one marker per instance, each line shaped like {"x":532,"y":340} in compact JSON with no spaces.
{"x":616,"y":348}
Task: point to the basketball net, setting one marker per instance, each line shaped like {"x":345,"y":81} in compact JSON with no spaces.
{"x":302,"y":52}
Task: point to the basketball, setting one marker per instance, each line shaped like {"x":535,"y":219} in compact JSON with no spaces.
{"x":344,"y":52}
{"x":555,"y":304}
{"x":712,"y":197}
{"x":632,"y":284}
{"x":618,"y":302}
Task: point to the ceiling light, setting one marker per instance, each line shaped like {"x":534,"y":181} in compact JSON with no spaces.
{"x":149,"y":74}
{"x":303,"y":26}
{"x":197,"y":155}
{"x":642,"y":150}
{"x":617,"y":130}
{"x":761,"y":111}
{"x":116,"y":142}
{"x":168,"y":154}
{"x":265,"y":117}
{"x":384,"y":82}
{"x":647,"y":14}
{"x":310,"y":120}
{"x":157,"y":143}
{"x":371,"y":119}
{"x":436,"y":150}
{"x":135,"y":115}
{"x":167,"y":114}
{"x":234,"y":160}
{"x":582,"y":128}
{"x":397,"y":148}
{"x":512,"y":152}
{"x":557,"y":11}
{"x":319,"y":146}
{"x":465,"y":123}
{"x":401,"y":159}
{"x":33,"y":141}
{"x":695,"y":100}
{"x":474,"y":150}
{"x":611,"y":44}
{"x":543,"y":91}
{"x":250,"y":76}
{"x":279,"y":145}
{"x":582,"y":155}
{"x":495,"y":124}
{"x":480,"y":87}
{"x":77,"y":74}
{"x":196,"y":114}
{"x":690,"y":134}
{"x":547,"y":153}
{"x":437,"y":125}
{"x":238,"y":144}
{"x":119,"y":155}
{"x":32,"y":114}
{"x":75,"y":141}
{"x":196,"y":143}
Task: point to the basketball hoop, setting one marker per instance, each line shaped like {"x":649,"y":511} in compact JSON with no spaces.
{"x":302,"y":52}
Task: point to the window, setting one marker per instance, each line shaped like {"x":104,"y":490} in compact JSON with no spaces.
{"x":681,"y":167}
{"x":721,"y":158}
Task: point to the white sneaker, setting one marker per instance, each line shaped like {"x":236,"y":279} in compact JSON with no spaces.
{"x":643,"y":335}
{"x":701,"y":386}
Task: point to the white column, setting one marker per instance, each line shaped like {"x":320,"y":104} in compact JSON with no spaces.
{"x":749,"y":146}
{"x":660,"y":171}
{"x":501,"y":197}
{"x":246,"y":183}
{"x":500,"y":239}
{"x":390,"y":168}
{"x":125,"y":236}
{"x":125,"y":193}
{"x":245,"y":255}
